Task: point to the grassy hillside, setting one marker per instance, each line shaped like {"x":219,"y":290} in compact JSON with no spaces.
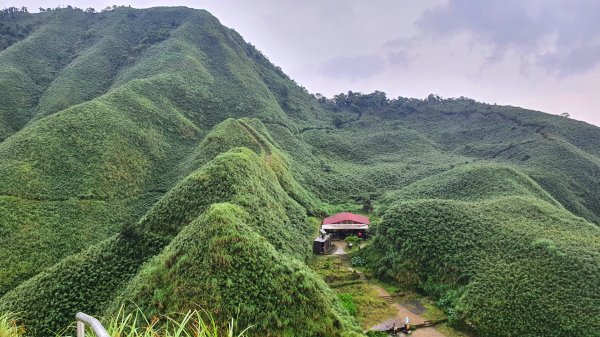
{"x":475,"y":182}
{"x":481,"y":207}
{"x":503,"y":264}
{"x":221,"y":263}
{"x":279,"y":228}
{"x":396,"y":142}
{"x":121,"y":141}
{"x":503,"y":267}
{"x":190,"y":151}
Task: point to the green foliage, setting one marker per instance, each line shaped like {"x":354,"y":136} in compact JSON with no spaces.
{"x":353,"y":243}
{"x":80,"y":158}
{"x":358,"y":261}
{"x":82,"y":282}
{"x":9,"y":326}
{"x":34,"y":234}
{"x":219,"y":262}
{"x":10,"y":34}
{"x":192,"y":323}
{"x":239,"y":176}
{"x":332,"y":270}
{"x":352,"y":239}
{"x":347,"y":301}
{"x":377,"y":334}
{"x":426,"y":137}
{"x":472,"y":183}
{"x":358,"y":294}
{"x":504,"y":266}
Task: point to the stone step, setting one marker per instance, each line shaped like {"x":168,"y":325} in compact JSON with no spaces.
{"x":388,"y":299}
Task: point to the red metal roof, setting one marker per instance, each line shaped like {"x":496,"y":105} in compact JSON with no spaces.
{"x":346,"y":216}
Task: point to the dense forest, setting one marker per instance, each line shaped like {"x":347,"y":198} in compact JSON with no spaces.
{"x":153,"y":158}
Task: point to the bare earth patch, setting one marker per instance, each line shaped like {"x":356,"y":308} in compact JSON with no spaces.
{"x":403,"y":311}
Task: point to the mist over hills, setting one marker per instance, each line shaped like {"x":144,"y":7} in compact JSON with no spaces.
{"x":155,"y":156}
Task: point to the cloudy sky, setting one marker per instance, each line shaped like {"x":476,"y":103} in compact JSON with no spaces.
{"x":538,"y":54}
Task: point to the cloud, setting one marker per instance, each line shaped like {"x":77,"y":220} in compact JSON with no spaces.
{"x":401,"y":42}
{"x":400,"y":58}
{"x":561,"y":37}
{"x":353,"y":67}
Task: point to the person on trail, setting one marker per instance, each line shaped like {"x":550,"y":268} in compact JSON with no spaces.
{"x":406,"y":328}
{"x":394,"y":329}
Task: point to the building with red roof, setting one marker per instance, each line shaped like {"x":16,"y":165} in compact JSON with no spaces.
{"x":346,"y":218}
{"x":345,"y":224}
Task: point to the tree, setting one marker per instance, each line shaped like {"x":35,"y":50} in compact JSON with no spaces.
{"x":433,"y":98}
{"x":338,"y":122}
{"x":367,"y":204}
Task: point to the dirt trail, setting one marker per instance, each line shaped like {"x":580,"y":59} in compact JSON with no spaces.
{"x":402,"y":313}
{"x":402,"y":310}
{"x":339,"y":247}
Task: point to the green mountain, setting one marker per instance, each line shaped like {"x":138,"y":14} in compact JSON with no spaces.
{"x":154,"y":157}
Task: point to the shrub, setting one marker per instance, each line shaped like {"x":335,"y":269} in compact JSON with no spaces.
{"x":352,"y":239}
{"x":358,"y":261}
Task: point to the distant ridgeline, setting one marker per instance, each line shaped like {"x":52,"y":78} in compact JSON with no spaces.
{"x":154,"y":157}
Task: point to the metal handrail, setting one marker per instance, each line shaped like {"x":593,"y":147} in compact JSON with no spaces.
{"x":83,"y":320}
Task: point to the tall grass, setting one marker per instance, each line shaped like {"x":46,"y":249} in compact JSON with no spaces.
{"x":193,"y":323}
{"x":9,"y":326}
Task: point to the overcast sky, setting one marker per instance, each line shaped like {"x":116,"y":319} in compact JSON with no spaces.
{"x":538,"y":54}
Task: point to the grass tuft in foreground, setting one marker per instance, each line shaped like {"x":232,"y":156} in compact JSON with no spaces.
{"x":193,"y":323}
{"x":9,"y":326}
